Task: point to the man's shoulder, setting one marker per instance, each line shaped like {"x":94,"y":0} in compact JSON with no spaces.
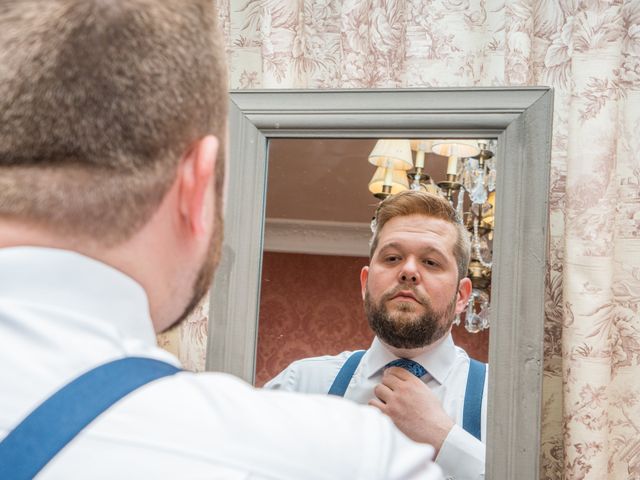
{"x":310,"y":375}
{"x":225,"y":423}
{"x":321,"y":361}
{"x":463,"y":356}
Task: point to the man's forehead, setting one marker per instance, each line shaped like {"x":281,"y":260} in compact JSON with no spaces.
{"x":418,"y":230}
{"x":417,"y":224}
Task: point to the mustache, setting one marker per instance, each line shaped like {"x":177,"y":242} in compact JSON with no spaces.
{"x":395,"y":291}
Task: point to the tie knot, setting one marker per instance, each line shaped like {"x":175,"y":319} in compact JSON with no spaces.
{"x":409,"y":365}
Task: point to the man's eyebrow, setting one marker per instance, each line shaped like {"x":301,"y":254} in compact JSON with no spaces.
{"x":423,"y":250}
{"x":431,"y":250}
{"x":390,"y":245}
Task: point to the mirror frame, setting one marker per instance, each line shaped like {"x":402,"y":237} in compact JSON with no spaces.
{"x":519,"y":118}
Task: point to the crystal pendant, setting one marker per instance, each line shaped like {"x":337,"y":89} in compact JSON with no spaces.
{"x":460,"y":206}
{"x":477,"y":316}
{"x":473,"y":323}
{"x":470,"y":166}
{"x":484,"y":315}
{"x":491,"y":176}
{"x":478,"y":192}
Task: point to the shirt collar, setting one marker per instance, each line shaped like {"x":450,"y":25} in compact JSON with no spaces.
{"x":438,"y":362}
{"x":68,"y":281}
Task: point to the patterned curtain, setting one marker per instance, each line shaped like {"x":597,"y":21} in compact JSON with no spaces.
{"x":589,"y":51}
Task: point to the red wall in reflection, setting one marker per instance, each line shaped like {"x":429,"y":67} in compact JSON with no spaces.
{"x":311,"y":305}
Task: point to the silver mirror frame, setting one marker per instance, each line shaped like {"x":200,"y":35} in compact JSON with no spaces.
{"x":520,"y":119}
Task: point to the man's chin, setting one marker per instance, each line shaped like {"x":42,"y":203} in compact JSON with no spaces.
{"x":405,"y":312}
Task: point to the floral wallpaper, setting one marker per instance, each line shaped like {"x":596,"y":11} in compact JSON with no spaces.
{"x":188,"y":341}
{"x":589,"y":51}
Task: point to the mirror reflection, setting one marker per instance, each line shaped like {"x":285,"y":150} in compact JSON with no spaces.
{"x":317,"y":230}
{"x":376,"y":324}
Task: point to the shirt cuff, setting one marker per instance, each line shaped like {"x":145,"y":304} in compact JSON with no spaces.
{"x":462,"y":456}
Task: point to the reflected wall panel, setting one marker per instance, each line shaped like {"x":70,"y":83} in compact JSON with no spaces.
{"x":310,"y":305}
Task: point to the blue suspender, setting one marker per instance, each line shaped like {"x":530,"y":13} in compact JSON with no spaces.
{"x":340,"y":384}
{"x":473,"y":398}
{"x":53,"y":424}
{"x":472,"y":413}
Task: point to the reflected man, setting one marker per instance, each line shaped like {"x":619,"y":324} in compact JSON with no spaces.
{"x":412,"y":290}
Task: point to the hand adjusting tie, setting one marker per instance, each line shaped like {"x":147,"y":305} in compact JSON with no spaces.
{"x":409,"y":365}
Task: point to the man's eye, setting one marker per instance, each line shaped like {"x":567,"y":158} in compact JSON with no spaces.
{"x":392,"y":258}
{"x":431,"y":263}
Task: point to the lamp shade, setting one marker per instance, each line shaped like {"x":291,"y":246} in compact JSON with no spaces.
{"x":456,"y":148}
{"x":398,"y":180}
{"x":421,"y":145}
{"x":393,"y":153}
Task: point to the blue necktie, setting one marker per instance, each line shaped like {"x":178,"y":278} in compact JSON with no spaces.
{"x":409,"y":365}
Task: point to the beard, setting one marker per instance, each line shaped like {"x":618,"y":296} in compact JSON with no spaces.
{"x":406,"y":328}
{"x":204,"y":277}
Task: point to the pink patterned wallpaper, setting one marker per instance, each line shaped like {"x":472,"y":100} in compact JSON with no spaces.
{"x":311,"y":305}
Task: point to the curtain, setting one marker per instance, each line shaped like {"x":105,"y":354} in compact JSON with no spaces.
{"x":589,"y":51}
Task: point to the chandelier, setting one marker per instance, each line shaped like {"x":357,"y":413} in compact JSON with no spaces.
{"x":469,"y":185}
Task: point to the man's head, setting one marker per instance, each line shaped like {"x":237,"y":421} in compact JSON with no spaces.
{"x":105,"y":109}
{"x":416,"y":281}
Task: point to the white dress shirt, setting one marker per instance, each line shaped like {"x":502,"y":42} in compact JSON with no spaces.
{"x":461,"y":456}
{"x":62,"y":314}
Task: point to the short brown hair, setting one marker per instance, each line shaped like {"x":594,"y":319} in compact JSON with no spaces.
{"x":98,"y":101}
{"x":412,"y":202}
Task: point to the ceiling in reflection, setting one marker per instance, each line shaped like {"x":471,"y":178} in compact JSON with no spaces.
{"x":326,"y":179}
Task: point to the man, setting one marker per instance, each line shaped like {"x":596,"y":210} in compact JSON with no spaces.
{"x":412,"y":289}
{"x":112,"y":123}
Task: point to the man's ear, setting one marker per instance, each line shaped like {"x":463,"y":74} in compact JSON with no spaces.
{"x":195,"y":173}
{"x":364,"y":275}
{"x":464,"y":291}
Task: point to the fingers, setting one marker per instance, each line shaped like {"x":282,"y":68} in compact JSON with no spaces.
{"x":395,"y":377}
{"x":383,"y":392}
{"x":398,"y":372}
{"x":392,"y":383}
{"x":378,"y":404}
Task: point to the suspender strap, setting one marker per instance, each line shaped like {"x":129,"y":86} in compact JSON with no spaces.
{"x":53,"y":424}
{"x":473,"y":398}
{"x":340,"y":384}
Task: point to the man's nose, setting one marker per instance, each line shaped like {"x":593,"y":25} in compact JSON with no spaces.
{"x":409,"y":273}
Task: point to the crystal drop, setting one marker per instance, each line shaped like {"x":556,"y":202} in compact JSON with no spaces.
{"x":473,"y":323}
{"x":460,"y":206}
{"x":478,"y":193}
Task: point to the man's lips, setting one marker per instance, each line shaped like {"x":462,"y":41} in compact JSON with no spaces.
{"x":405,"y":295}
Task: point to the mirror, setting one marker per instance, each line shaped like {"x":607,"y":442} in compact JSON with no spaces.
{"x":519,"y":118}
{"x":317,"y":229}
